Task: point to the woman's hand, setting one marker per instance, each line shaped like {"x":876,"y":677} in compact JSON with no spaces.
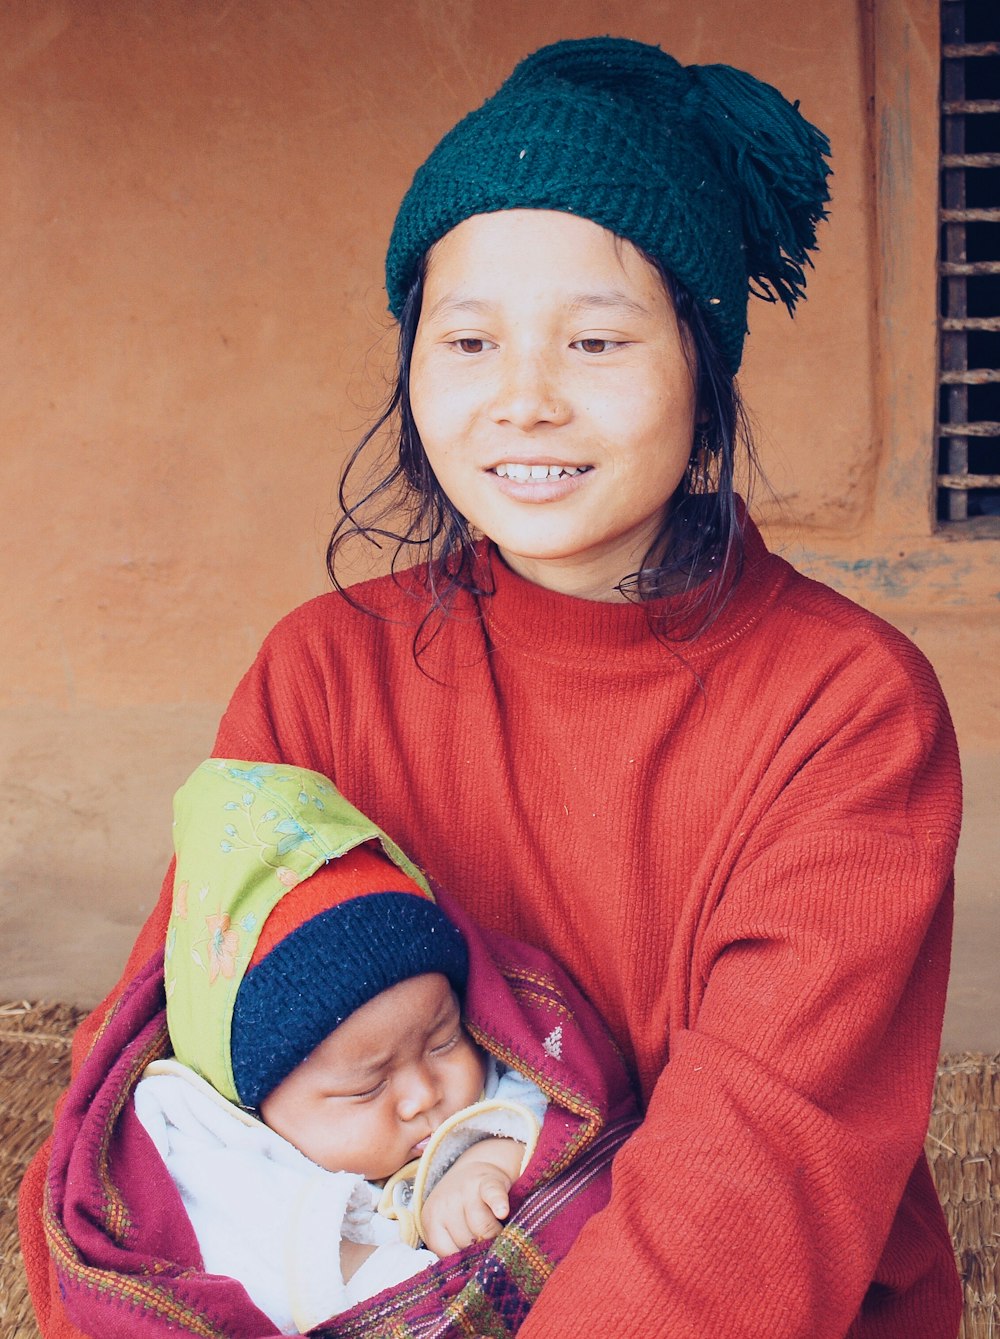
{"x":470,"y":1201}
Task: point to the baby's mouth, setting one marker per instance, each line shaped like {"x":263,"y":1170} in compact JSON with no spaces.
{"x":524,"y":473}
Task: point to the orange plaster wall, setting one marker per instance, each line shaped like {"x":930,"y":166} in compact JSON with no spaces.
{"x":202,"y":199}
{"x":193,"y":334}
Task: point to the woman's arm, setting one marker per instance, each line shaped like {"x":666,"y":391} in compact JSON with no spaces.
{"x":761,"y":1194}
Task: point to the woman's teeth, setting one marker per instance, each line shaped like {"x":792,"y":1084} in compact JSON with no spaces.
{"x":524,"y":472}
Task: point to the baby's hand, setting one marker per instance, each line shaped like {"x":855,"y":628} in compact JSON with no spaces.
{"x":470,"y":1202}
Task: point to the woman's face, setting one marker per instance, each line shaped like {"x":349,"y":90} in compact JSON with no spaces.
{"x":553,"y":393}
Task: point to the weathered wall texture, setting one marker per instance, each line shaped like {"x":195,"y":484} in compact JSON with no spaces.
{"x":197,"y":203}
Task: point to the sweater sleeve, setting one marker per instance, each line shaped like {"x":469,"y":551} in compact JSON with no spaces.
{"x":280,"y":711}
{"x":758,"y":1196}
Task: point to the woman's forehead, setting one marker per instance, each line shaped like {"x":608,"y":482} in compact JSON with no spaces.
{"x":478,"y":260}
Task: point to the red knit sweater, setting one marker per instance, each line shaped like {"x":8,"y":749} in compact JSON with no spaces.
{"x":741,"y":847}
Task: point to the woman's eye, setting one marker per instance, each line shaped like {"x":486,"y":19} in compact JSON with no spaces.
{"x":470,"y":344}
{"x":595,"y":345}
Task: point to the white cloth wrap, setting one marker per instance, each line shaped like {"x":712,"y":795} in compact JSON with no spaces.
{"x":267,"y":1216}
{"x":262,"y":1212}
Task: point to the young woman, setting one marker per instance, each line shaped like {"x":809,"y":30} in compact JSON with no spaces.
{"x":614,"y":725}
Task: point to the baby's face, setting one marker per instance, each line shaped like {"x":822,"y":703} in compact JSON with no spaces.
{"x":371,"y":1095}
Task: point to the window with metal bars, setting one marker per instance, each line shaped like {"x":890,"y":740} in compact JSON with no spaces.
{"x":968,"y":476}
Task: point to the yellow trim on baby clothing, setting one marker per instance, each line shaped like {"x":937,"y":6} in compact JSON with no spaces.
{"x":426,"y":1171}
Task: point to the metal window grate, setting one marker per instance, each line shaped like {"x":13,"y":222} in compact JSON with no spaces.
{"x":968,"y":472}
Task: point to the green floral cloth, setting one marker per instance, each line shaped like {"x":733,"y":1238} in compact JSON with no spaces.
{"x":273,"y":827}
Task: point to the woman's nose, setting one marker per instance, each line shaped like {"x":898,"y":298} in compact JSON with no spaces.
{"x":419,"y":1093}
{"x":527,"y":392}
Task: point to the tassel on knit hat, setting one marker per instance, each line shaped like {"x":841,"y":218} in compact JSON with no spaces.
{"x":291,"y":910}
{"x":706,"y":169}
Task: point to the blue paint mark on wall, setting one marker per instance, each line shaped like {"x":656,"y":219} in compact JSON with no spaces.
{"x":927,"y":573}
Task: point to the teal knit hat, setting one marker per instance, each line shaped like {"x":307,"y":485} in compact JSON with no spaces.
{"x":708,"y":170}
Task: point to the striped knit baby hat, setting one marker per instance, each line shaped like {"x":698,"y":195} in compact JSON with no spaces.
{"x":290,"y":911}
{"x":706,"y":169}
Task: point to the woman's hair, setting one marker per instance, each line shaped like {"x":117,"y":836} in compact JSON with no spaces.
{"x":698,"y":549}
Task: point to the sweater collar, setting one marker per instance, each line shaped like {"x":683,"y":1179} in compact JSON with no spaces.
{"x":520,"y":615}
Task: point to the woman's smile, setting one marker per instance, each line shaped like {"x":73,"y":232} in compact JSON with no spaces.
{"x":523,"y":472}
{"x":537,"y":481}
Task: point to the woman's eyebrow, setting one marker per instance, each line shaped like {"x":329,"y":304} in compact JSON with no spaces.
{"x":604,"y":300}
{"x":450,"y":304}
{"x":607,"y":300}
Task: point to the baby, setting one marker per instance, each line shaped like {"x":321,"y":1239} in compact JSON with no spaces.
{"x":323,"y":1089}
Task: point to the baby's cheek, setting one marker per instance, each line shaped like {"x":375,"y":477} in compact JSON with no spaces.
{"x":478,"y":1077}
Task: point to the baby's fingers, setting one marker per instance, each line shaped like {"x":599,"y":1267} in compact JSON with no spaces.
{"x":450,"y":1242}
{"x":483,"y":1223}
{"x":495,"y":1198}
{"x":441,"y":1238}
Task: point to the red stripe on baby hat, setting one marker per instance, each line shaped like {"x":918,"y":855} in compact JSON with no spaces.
{"x":360,"y":871}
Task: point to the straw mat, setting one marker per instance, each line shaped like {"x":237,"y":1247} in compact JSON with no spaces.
{"x":963,"y":1146}
{"x":34,"y":1069}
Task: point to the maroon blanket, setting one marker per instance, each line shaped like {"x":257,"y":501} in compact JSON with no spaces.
{"x":125,"y":1253}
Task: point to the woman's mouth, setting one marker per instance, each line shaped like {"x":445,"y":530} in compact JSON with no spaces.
{"x":524,"y":473}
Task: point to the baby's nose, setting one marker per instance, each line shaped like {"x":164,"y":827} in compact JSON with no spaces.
{"x":419,"y":1094}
